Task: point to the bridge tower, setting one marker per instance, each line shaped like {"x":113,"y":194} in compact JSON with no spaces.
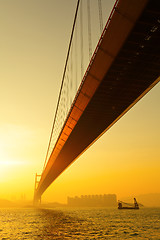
{"x":37,"y":180}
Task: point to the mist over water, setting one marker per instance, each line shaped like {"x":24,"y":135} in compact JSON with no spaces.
{"x":86,"y":223}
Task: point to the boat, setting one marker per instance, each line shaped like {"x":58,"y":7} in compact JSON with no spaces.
{"x":123,"y":205}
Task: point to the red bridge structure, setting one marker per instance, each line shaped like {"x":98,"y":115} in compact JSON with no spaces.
{"x":123,"y":68}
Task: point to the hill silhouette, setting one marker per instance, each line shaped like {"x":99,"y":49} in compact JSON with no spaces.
{"x":6,"y":203}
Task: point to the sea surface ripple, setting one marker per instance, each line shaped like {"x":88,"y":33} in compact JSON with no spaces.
{"x":73,"y":223}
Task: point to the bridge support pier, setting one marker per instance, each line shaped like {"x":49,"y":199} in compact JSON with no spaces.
{"x":37,"y":202}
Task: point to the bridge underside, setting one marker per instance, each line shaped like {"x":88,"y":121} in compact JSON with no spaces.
{"x":119,"y":75}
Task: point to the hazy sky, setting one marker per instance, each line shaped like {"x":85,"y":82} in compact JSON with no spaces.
{"x":33,"y":46}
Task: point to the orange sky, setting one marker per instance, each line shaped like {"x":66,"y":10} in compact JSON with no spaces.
{"x":33,"y":44}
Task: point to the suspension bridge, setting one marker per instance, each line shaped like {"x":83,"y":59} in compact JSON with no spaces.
{"x":95,"y":93}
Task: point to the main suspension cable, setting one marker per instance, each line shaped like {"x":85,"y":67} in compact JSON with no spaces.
{"x":89,"y":30}
{"x":100,"y":16}
{"x":81,"y":36}
{"x":63,"y":77}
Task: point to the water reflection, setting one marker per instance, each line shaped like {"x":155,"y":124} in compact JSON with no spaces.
{"x":93,"y":223}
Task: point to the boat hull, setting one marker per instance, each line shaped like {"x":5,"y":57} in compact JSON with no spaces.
{"x":129,"y":208}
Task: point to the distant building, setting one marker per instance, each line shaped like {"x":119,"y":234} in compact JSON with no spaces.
{"x":106,"y":200}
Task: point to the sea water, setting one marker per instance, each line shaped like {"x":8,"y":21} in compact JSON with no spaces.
{"x":73,"y":223}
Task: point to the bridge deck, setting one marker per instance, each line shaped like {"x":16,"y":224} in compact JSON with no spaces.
{"x":125,"y":66}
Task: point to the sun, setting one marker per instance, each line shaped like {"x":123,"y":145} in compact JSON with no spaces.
{"x":7,"y":166}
